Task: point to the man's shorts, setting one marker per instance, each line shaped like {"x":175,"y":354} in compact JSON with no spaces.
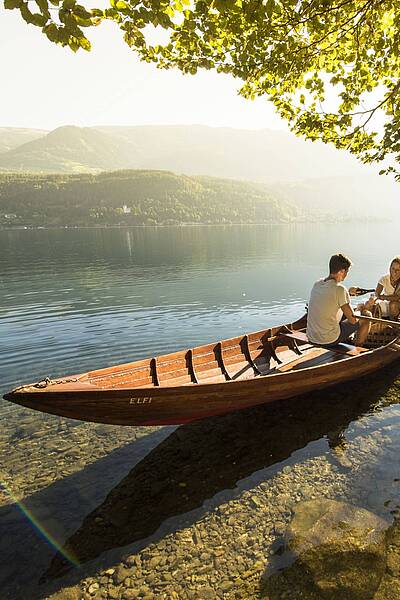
{"x":346,"y":329}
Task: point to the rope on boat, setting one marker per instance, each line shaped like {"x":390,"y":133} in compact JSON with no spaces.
{"x":47,"y":381}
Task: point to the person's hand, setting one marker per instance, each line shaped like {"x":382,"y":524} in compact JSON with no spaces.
{"x":370,"y":303}
{"x":353,"y":291}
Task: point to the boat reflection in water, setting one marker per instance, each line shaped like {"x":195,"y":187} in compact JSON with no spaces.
{"x":205,"y":458}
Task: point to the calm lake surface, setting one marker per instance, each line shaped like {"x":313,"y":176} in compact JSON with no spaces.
{"x":73,"y":300}
{"x":78,"y":299}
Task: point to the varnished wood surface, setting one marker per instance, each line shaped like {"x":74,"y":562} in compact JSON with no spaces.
{"x":212,"y":379}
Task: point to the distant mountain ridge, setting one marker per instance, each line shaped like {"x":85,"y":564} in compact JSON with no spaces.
{"x":309,"y":175}
{"x":66,"y":150}
{"x":11,"y":137}
{"x":195,"y":150}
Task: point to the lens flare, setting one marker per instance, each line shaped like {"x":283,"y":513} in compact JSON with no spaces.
{"x":39,"y":527}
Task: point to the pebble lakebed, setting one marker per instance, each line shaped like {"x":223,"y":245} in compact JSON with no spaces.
{"x":211,"y":511}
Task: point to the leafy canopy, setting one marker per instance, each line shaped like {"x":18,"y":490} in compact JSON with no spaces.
{"x":330,"y":67}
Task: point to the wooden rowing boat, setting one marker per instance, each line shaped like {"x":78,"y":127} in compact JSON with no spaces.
{"x":208,"y":380}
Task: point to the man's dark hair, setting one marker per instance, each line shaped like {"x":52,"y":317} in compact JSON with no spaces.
{"x":339,"y":262}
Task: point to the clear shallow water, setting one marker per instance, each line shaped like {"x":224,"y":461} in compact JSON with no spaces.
{"x":73,"y":300}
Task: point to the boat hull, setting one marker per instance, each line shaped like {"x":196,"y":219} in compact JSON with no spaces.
{"x":183,"y":404}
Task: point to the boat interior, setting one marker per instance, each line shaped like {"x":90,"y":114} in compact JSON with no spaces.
{"x":271,"y":351}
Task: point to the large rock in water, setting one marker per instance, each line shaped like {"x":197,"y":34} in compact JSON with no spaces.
{"x":339,"y":552}
{"x":389,"y":588}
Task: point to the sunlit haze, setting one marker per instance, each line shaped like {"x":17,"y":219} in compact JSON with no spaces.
{"x":47,"y":86}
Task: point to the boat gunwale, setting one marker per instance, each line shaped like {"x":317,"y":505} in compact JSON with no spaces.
{"x":203,"y":384}
{"x":273,"y":333}
{"x":159,"y":391}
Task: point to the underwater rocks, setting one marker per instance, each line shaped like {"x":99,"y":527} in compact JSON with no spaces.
{"x":338,"y":550}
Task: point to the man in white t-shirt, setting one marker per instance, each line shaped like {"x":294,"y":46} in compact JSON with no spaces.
{"x":330,"y":318}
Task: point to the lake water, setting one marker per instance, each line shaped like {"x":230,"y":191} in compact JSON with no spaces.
{"x":78,"y":299}
{"x":73,"y":300}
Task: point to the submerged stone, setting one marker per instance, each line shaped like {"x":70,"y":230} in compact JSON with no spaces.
{"x":338,"y":551}
{"x":389,"y":588}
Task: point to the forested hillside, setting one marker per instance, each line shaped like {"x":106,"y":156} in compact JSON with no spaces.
{"x":136,"y":198}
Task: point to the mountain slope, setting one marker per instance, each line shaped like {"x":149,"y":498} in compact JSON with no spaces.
{"x":350,"y":196}
{"x":67,"y":149}
{"x":254,"y":155}
{"x":196,"y":150}
{"x":12,"y":137}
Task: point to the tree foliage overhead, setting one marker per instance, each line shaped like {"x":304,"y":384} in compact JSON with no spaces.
{"x":330,"y":67}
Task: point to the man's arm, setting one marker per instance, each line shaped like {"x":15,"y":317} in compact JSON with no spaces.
{"x":390,"y":298}
{"x":349,"y":313}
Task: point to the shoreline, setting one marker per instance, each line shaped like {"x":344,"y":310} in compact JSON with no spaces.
{"x":367,"y":221}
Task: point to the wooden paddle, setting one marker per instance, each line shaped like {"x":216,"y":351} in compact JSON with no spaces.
{"x":358,"y":291}
{"x":377,"y":320}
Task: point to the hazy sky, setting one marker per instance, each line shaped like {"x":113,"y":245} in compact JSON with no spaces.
{"x":45,"y":86}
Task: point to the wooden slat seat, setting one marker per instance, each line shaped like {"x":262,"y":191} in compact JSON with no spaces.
{"x":216,"y":379}
{"x":133,"y":377}
{"x":215,"y":373}
{"x":348,"y":349}
{"x":206,"y":365}
{"x":258,"y":353}
{"x":235,"y":361}
{"x":266,"y":352}
{"x":172,"y":367}
{"x":342,"y":348}
{"x":313,"y":357}
{"x":266,"y":359}
{"x":239,"y":370}
{"x":309,"y":359}
{"x":177,"y":381}
{"x":267,"y":363}
{"x":142,"y":383}
{"x":264,"y":364}
{"x":119,"y":370}
{"x":182,"y":376}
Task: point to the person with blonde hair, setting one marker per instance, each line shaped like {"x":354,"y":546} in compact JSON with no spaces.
{"x":388,"y":291}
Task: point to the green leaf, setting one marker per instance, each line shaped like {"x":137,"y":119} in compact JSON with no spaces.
{"x":32,"y":18}
{"x":39,"y":20}
{"x":52,"y":32}
{"x":43,"y":6}
{"x":85,"y":44}
{"x":11,"y":4}
{"x":270,"y":7}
